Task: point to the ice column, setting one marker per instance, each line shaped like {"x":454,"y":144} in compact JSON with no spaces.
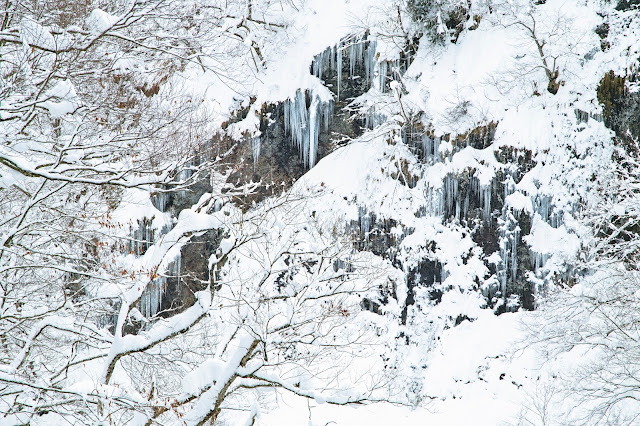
{"x":256,"y":144}
{"x":339,"y":67}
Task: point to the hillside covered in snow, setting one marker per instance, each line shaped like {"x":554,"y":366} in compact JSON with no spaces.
{"x":274,"y":212}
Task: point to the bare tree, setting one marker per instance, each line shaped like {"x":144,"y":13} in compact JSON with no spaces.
{"x":543,"y":43}
{"x":281,"y":313}
{"x":81,"y":120}
{"x":90,"y":113}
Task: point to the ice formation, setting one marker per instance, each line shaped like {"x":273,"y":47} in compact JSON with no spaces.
{"x":307,"y":110}
{"x":143,"y":237}
{"x":509,"y":238}
{"x":431,"y":149}
{"x":160,"y":200}
{"x":460,"y":191}
{"x":303,"y":123}
{"x":256,"y":144}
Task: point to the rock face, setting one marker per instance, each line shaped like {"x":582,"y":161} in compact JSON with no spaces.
{"x":494,"y":227}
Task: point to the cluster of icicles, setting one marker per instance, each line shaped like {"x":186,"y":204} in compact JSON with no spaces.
{"x":359,"y":52}
{"x":303,"y":124}
{"x":309,"y":111}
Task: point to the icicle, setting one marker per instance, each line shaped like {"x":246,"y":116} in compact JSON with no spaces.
{"x":146,"y":311}
{"x":327,"y":112}
{"x":509,"y":236}
{"x":396,"y":72}
{"x":375,"y":80}
{"x":539,"y":260}
{"x":332,"y":58}
{"x":365,"y":222}
{"x":287,"y":116}
{"x":339,"y":67}
{"x":255,"y":148}
{"x":355,"y":56}
{"x":370,"y":63}
{"x":186,"y":172}
{"x":154,"y":294}
{"x":485,"y":194}
{"x":382,"y":76}
{"x":544,"y":208}
{"x":430,"y":149}
{"x":151,"y":300}
{"x":301,"y":129}
{"x":509,"y":186}
{"x":320,"y":62}
{"x":352,"y":59}
{"x":427,"y":146}
{"x":514,"y":253}
{"x":314,"y":127}
{"x":504,"y":256}
{"x":141,"y":237}
{"x":451,"y":202}
{"x":160,"y":201}
{"x":465,"y":206}
{"x":372,"y":119}
{"x":298,"y":126}
{"x":456,"y":198}
{"x":315,"y":67}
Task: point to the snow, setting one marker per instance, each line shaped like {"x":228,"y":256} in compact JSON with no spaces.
{"x":35,"y":34}
{"x":63,"y":99}
{"x":471,"y":377}
{"x":520,"y":202}
{"x":208,"y":372}
{"x":226,"y":371}
{"x":100,"y":21}
{"x":545,"y":240}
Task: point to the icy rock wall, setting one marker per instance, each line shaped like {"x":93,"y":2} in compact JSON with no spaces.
{"x":316,"y":119}
{"x":352,"y":67}
{"x":142,"y":237}
{"x":349,"y":70}
{"x":495,"y":210}
{"x":151,"y":301}
{"x":173,"y":290}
